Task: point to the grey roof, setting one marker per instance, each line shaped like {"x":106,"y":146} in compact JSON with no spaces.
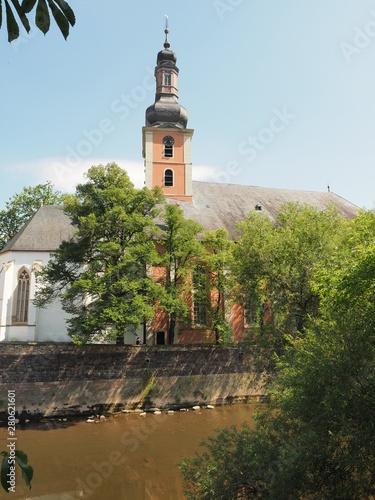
{"x":44,"y":232}
{"x":218,"y":205}
{"x":166,"y":111}
{"x":166,"y":56}
{"x":214,"y":206}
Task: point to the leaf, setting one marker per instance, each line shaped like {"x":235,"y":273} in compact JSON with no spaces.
{"x":42,"y":19}
{"x":22,"y":456}
{"x":21,"y":14}
{"x":60,"y":19}
{"x":4,"y":471}
{"x":27,"y":475}
{"x":27,"y":470}
{"x":21,"y":459}
{"x":12,"y":26}
{"x":67,"y":11}
{"x":28,"y":5}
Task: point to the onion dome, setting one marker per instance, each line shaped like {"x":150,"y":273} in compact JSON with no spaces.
{"x":166,"y":110}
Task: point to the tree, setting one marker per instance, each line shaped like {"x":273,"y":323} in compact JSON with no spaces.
{"x":180,"y":253}
{"x":217,"y":263}
{"x":61,"y":12}
{"x":22,"y":206}
{"x":273,"y":264}
{"x":316,"y":436}
{"x":102,"y":273}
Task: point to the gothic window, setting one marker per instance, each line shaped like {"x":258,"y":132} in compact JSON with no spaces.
{"x":22,"y":297}
{"x":200,"y":296}
{"x":168,"y":142}
{"x":168,"y":177}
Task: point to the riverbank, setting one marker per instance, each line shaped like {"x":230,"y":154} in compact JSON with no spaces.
{"x":67,"y":380}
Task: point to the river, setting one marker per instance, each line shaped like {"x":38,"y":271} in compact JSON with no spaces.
{"x":127,"y":457}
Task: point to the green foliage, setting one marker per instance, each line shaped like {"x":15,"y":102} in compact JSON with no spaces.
{"x":316,"y":437}
{"x":315,"y":440}
{"x":102,"y":274}
{"x":61,"y":12}
{"x":225,"y":469}
{"x":346,"y":281}
{"x":8,"y":464}
{"x":22,"y":206}
{"x":181,"y":253}
{"x":274,"y":263}
{"x":217,"y":261}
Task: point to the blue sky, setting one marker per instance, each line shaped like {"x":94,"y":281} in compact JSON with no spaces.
{"x":280,"y":94}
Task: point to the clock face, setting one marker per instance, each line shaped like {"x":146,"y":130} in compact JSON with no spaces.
{"x":168,"y":141}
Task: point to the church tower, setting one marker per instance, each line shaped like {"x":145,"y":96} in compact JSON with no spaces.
{"x":166,"y":140}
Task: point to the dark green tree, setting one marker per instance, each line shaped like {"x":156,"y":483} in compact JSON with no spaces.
{"x":180,"y":252}
{"x":61,"y":12}
{"x":316,"y":436}
{"x":217,"y":264}
{"x":102,"y":274}
{"x":22,"y":206}
{"x":273,"y":265}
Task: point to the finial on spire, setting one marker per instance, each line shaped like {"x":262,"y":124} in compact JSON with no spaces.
{"x":166,"y":31}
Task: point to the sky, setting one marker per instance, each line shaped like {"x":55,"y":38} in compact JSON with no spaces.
{"x":279,"y":94}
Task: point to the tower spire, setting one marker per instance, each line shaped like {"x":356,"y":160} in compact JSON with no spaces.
{"x":166,"y":111}
{"x":166,"y":31}
{"x":166,"y":138}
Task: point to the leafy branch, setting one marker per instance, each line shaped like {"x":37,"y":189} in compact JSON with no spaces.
{"x":61,"y":12}
{"x":8,"y":468}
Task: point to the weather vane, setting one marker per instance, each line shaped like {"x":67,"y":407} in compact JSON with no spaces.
{"x":166,"y":31}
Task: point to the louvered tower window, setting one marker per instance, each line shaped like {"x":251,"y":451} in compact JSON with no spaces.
{"x":168,"y":178}
{"x":168,"y":142}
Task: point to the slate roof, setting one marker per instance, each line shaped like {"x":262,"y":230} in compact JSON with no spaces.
{"x":214,"y":206}
{"x":44,"y":232}
{"x":217,"y":205}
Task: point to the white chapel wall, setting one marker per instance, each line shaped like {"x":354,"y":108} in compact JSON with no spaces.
{"x":43,"y":324}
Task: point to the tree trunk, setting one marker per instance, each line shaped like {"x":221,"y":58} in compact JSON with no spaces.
{"x":120,"y":339}
{"x":172,"y":326}
{"x":217,"y":336}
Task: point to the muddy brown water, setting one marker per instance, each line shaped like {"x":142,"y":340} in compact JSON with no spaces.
{"x":127,"y":457}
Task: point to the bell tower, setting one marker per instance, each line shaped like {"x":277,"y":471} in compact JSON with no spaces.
{"x":166,"y":140}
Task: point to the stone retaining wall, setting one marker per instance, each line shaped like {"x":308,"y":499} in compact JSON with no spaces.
{"x":67,"y":379}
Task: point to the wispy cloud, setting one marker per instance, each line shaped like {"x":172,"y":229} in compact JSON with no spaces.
{"x":205,"y":173}
{"x":66,"y":178}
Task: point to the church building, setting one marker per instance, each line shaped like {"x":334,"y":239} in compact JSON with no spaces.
{"x":167,"y":161}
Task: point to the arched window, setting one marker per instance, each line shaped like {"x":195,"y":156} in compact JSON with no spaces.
{"x":168,"y":177}
{"x":22,"y":297}
{"x":168,"y":142}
